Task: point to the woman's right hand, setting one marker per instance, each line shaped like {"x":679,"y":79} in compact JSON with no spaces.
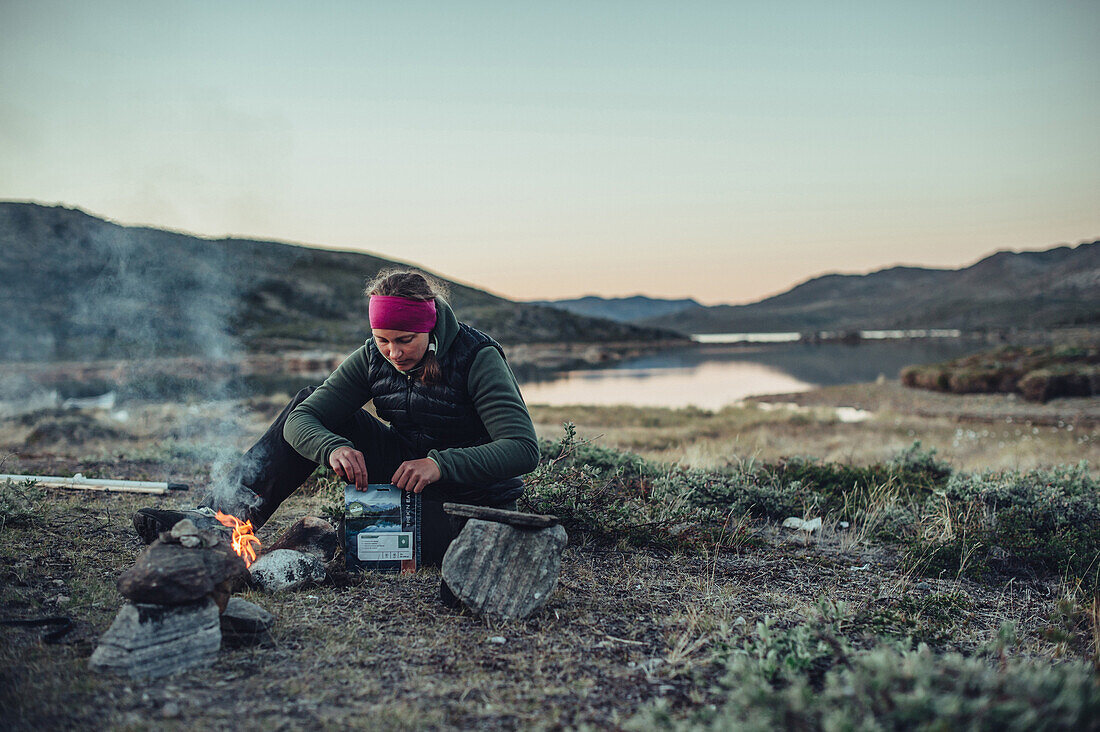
{"x":350,"y":465}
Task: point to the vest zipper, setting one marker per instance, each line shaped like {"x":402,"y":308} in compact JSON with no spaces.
{"x":408,"y":405}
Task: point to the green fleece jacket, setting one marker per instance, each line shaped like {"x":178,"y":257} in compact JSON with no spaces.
{"x":513,"y":449}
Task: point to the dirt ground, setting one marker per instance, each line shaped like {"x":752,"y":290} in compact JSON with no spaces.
{"x":623,"y":629}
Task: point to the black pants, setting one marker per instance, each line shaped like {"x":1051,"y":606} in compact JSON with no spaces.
{"x":272,"y":470}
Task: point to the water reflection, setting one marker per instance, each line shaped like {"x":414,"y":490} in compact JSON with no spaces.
{"x":713,"y":376}
{"x":708,"y":385}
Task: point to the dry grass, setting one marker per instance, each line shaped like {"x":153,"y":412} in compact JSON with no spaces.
{"x":991,"y":432}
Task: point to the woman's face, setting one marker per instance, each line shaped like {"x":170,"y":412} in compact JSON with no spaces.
{"x":404,"y":349}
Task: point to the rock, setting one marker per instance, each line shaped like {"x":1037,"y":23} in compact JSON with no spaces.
{"x":245,"y":624}
{"x":184,"y":527}
{"x":501,"y":571}
{"x":801,"y":525}
{"x":212,"y":537}
{"x":500,"y":515}
{"x":187,"y":534}
{"x":311,"y":535}
{"x":149,"y":641}
{"x":172,"y":574}
{"x":286,"y":569}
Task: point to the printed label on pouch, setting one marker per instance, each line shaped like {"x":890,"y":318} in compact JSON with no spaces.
{"x":381,"y":547}
{"x":381,"y":529}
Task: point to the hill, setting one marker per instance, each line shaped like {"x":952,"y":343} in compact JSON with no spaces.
{"x":1007,"y":290}
{"x":622,"y":309}
{"x":77,"y":287}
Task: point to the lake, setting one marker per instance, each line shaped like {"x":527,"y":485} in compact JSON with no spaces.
{"x":711,"y":376}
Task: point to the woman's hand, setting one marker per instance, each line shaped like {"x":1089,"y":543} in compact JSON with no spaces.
{"x":350,"y":465}
{"x":414,"y":475}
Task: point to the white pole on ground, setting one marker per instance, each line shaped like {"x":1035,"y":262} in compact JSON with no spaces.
{"x":79,"y":482}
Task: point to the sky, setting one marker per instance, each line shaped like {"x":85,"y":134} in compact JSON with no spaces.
{"x":718,"y":150}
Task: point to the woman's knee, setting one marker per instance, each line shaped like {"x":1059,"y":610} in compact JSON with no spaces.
{"x":301,"y":395}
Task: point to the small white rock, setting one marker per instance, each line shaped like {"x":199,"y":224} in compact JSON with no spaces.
{"x":498,"y":639}
{"x":184,"y":527}
{"x":793,"y":522}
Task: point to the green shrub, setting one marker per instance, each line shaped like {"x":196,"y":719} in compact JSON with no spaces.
{"x":916,"y":690}
{"x":937,"y":619}
{"x":917,"y":462}
{"x":808,"y":677}
{"x":614,"y":497}
{"x":20,"y":503}
{"x":570,"y":451}
{"x":1041,"y":520}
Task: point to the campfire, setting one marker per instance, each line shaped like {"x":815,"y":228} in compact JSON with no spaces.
{"x":243,"y":537}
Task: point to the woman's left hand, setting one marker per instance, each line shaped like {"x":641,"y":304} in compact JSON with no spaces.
{"x":414,"y":475}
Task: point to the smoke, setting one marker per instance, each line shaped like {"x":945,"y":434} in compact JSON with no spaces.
{"x":229,"y":474}
{"x":158,"y":306}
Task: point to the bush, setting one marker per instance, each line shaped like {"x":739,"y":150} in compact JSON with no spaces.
{"x":19,"y":503}
{"x":888,"y":689}
{"x":922,"y":464}
{"x":613,"y":497}
{"x":1040,"y":521}
{"x":808,"y":677}
{"x":1043,"y":520}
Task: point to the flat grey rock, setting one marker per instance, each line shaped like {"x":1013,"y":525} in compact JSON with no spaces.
{"x":504,"y":572}
{"x":150,"y":641}
{"x":245,"y":623}
{"x":286,"y":569}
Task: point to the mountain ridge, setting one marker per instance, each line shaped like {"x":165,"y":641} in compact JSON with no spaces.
{"x":623,"y":309}
{"x":1056,"y":287}
{"x":78,"y":287}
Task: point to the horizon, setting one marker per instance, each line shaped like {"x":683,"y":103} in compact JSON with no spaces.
{"x":711,"y":152}
{"x":479,"y":286}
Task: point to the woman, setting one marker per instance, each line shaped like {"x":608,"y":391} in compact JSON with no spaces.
{"x":458,"y":427}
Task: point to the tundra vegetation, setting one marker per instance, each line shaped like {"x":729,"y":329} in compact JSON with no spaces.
{"x":943,"y":589}
{"x":1038,"y":373}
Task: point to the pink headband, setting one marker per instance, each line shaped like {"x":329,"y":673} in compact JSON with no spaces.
{"x":400,"y":313}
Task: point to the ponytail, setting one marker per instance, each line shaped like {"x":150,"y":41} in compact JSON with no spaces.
{"x":430,"y":373}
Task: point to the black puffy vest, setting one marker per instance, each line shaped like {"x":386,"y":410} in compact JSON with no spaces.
{"x":438,"y":416}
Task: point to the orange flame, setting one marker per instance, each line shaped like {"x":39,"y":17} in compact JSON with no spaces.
{"x":243,"y":537}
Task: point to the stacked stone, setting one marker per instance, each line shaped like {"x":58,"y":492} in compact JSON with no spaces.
{"x":179,"y":591}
